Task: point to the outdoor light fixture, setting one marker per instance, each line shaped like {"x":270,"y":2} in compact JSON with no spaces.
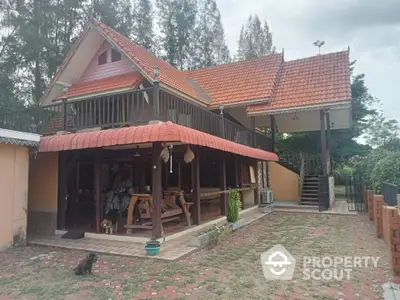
{"x":156,"y":73}
{"x":165,"y":154}
{"x":188,"y":156}
{"x":137,"y":154}
{"x":64,"y":89}
{"x":221,"y":108}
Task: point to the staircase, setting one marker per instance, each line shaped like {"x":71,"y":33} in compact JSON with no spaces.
{"x":308,"y":168}
{"x":309,"y":193}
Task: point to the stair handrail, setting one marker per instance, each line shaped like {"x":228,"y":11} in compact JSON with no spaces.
{"x":302,"y":173}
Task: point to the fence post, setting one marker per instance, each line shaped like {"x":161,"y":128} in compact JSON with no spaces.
{"x":378,"y":203}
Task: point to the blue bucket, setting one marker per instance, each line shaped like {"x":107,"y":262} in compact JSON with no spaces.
{"x":152,"y":250}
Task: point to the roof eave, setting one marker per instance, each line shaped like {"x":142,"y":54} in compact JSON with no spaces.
{"x":331,"y":105}
{"x":240,"y":103}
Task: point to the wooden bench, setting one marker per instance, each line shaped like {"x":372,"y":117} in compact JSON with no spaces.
{"x":170,"y":210}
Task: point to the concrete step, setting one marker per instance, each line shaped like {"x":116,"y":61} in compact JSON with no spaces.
{"x":309,"y":203}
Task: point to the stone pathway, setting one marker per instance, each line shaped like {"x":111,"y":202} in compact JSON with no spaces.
{"x":231,"y":270}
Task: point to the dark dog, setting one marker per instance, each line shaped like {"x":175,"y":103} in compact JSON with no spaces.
{"x":110,"y":222}
{"x":85,"y":265}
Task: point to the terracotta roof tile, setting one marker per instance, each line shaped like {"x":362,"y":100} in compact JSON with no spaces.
{"x":169,"y":75}
{"x":163,"y":132}
{"x":239,"y":81}
{"x":311,"y":81}
{"x":129,"y":80}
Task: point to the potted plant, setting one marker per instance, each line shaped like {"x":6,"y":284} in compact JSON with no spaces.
{"x":233,"y":210}
{"x":152,"y":247}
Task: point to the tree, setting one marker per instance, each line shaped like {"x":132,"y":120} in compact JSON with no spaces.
{"x":209,"y":45}
{"x":114,"y":13}
{"x":382,"y":132}
{"x":255,"y":40}
{"x":143,"y":33}
{"x":176,"y":22}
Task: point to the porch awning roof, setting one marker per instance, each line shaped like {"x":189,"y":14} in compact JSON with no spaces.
{"x":162,"y":132}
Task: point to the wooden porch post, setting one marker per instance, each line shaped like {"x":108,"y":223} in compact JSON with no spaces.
{"x":97,"y":184}
{"x":156,"y":99}
{"x":222,"y":178}
{"x":323,"y":143}
{"x":273,"y":133}
{"x":62,"y":190}
{"x":196,"y":188}
{"x":253,"y":128}
{"x":329,"y":141}
{"x":156,"y":190}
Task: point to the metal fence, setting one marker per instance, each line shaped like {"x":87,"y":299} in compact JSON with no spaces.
{"x":390,"y":192}
{"x":356,"y":193}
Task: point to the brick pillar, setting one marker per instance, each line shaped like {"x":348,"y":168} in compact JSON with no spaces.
{"x":378,"y":203}
{"x":370,"y":203}
{"x":394,"y":239}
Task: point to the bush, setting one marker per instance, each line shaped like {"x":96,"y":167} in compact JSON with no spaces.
{"x":340,"y":172}
{"x":386,"y":169}
{"x":367,"y":165}
{"x":233,"y":206}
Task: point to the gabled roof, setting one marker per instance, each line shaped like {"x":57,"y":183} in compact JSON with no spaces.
{"x":264,"y":84}
{"x":311,"y":81}
{"x":124,"y":81}
{"x":146,"y":61}
{"x":239,"y":82}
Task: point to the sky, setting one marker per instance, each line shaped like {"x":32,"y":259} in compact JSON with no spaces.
{"x":371,"y":29}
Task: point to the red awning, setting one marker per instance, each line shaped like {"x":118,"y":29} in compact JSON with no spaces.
{"x":162,"y":132}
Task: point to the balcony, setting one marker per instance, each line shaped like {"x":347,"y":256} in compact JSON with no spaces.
{"x":130,"y":109}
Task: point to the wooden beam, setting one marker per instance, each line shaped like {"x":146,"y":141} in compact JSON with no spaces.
{"x":196,"y":187}
{"x":97,"y":184}
{"x":62,"y":190}
{"x":222,"y":185}
{"x":273,"y":131}
{"x":156,"y":190}
{"x":323,"y":143}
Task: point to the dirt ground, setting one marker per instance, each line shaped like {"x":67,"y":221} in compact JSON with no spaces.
{"x":231,"y":270}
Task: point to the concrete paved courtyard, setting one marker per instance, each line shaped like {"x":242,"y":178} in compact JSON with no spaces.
{"x":231,"y":270}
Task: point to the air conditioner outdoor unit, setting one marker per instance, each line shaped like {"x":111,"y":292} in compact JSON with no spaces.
{"x":267,"y":197}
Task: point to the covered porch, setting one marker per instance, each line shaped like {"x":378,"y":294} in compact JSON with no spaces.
{"x":166,"y":178}
{"x":314,"y":174}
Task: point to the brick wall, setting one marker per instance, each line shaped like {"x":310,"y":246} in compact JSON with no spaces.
{"x":386,"y":222}
{"x":378,"y":203}
{"x":370,"y":203}
{"x":393,"y":237}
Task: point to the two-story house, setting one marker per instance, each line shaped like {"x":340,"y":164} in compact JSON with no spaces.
{"x":116,"y":120}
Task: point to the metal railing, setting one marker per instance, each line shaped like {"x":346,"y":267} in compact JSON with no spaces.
{"x":390,"y":192}
{"x":133,"y":108}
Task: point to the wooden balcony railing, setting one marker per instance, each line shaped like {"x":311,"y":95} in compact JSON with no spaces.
{"x":134,"y":108}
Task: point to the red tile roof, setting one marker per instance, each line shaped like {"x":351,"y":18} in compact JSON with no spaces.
{"x":309,"y":81}
{"x":163,"y":132}
{"x":146,"y":61}
{"x":129,"y":80}
{"x":239,"y":81}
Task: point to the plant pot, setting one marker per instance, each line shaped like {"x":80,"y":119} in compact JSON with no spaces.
{"x":152,"y":249}
{"x":236,"y":225}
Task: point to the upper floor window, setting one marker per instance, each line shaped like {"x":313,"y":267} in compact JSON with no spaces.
{"x":102,"y":59}
{"x":115,"y":55}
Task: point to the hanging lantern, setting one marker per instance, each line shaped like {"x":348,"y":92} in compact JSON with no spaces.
{"x":188,"y":156}
{"x":165,"y":154}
